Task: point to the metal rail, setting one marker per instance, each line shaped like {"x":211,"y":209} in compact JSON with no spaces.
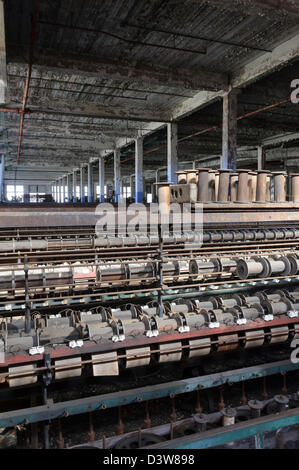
{"x":232,"y":433}
{"x":111,"y":400}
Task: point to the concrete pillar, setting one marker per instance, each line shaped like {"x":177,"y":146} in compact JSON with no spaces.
{"x":60,"y":189}
{"x":117,"y":192}
{"x":260,"y":158}
{"x":3,"y":75}
{"x":229,"y":131}
{"x":74,"y":191}
{"x":82,"y":196}
{"x":2,"y":169}
{"x":89,"y":183}
{"x":68,"y":182}
{"x":102,"y":179}
{"x":172,"y":152}
{"x":139,"y":169}
{"x":132,"y":186}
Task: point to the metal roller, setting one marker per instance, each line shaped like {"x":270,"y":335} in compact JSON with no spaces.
{"x":29,"y":378}
{"x":199,"y":347}
{"x":228,"y":342}
{"x":138,"y":357}
{"x":254,"y":339}
{"x":105,"y":368}
{"x":170,"y":352}
{"x":75,"y":365}
{"x":279,"y":334}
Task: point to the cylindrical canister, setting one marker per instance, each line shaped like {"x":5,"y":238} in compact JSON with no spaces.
{"x":294,"y":187}
{"x":191,"y":176}
{"x":234,"y":177}
{"x":203,"y":184}
{"x":212,"y":186}
{"x":182,"y":179}
{"x":252,"y":180}
{"x":268,"y":187}
{"x":261,"y":185}
{"x":280,"y":192}
{"x":224,"y":176}
{"x":164,"y":197}
{"x":243,"y":192}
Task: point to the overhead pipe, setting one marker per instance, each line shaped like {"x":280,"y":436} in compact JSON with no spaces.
{"x":27,"y":82}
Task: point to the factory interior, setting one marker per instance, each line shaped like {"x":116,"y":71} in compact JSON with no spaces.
{"x":149,"y":221}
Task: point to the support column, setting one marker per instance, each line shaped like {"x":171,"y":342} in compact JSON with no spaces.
{"x":74,"y":186}
{"x":89,"y":183}
{"x":172,"y":152}
{"x":102,"y":179}
{"x":3,"y":75}
{"x":68,"y":182}
{"x":139,"y":169}
{"x":117,"y":192}
{"x":2,"y":169}
{"x":132,"y":186}
{"x":260,"y":158}
{"x":229,"y":131}
{"x":60,"y":190}
{"x":82,"y":197}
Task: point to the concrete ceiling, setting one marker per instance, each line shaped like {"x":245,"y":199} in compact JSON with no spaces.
{"x":105,"y":72}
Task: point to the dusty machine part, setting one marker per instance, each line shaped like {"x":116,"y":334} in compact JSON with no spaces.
{"x":282,"y":402}
{"x":294,"y":187}
{"x":183,"y":193}
{"x":203,"y":184}
{"x":243,"y":190}
{"x":268,"y":187}
{"x":252,"y":267}
{"x":234,"y":178}
{"x":280,"y":192}
{"x":261,"y":186}
{"x":164,"y":197}
{"x":223,"y":188}
{"x":191,"y":176}
{"x":212,"y":186}
{"x":181,"y":177}
{"x":256,"y":407}
{"x":228,"y":416}
{"x":252,"y":182}
{"x":217,"y":174}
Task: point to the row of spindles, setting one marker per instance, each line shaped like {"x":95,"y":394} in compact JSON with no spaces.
{"x":242,"y":186}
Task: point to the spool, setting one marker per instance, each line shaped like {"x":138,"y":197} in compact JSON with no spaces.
{"x":234,"y":177}
{"x":182,"y":179}
{"x":224,"y":176}
{"x":212,"y":186}
{"x":191,"y":176}
{"x":261,"y":190}
{"x":164,"y":197}
{"x":280,"y":193}
{"x":252,"y":181}
{"x":203,"y":184}
{"x":268,"y":187}
{"x":216,"y":185}
{"x":243,"y":190}
{"x":294,"y":187}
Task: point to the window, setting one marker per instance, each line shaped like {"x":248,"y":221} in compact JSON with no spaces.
{"x":149,"y":198}
{"x":78,"y":195}
{"x":10,"y":192}
{"x":15,"y":192}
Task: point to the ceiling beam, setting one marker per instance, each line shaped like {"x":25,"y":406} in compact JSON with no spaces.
{"x":102,"y":67}
{"x":267,"y":63}
{"x":47,"y":105}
